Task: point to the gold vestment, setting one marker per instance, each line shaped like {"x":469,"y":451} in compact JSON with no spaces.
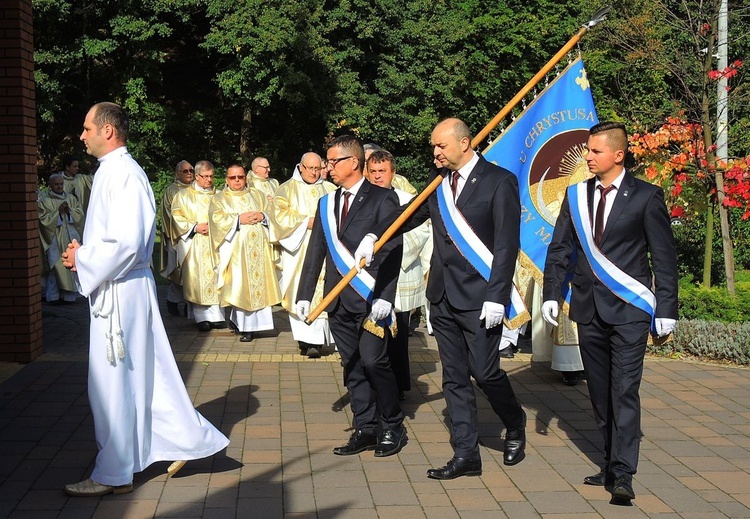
{"x":50,"y":233}
{"x":169,"y":233}
{"x":243,"y":253}
{"x":295,"y":202}
{"x":402,"y":183}
{"x":198,"y":277}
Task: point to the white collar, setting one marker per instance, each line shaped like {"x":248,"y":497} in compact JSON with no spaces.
{"x":467,"y":168}
{"x":355,"y":188}
{"x":616,"y":182}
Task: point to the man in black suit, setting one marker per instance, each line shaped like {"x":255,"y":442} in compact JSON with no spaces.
{"x":468,"y":300}
{"x":341,"y":221}
{"x":612,"y":301}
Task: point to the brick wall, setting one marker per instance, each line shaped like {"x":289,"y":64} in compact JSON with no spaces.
{"x":20,"y":294}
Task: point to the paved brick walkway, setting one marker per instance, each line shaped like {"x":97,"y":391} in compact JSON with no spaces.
{"x":284,"y":414}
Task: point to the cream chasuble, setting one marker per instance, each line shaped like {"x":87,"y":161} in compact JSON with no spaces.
{"x":295,"y":202}
{"x":190,"y":207}
{"x":243,"y":253}
{"x":402,"y":183}
{"x":57,"y":232}
{"x":169,"y":234}
{"x":267,"y":186}
{"x":80,"y":187}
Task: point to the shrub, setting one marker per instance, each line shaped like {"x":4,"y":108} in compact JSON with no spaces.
{"x":723,"y":342}
{"x":715,"y":303}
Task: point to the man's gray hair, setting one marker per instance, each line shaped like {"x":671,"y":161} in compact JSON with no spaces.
{"x":178,"y":167}
{"x":203,"y":165}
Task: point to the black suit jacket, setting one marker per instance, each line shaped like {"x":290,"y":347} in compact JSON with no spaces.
{"x":638,"y":227}
{"x":370,"y":205}
{"x":490,"y":203}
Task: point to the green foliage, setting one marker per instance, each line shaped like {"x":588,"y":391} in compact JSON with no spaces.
{"x":713,"y":304}
{"x":709,"y":340}
{"x":690,"y":241}
{"x":226,"y":80}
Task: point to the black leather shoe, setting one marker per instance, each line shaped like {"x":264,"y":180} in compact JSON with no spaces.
{"x":204,"y":326}
{"x":173,"y":309}
{"x":623,"y":488}
{"x":390,"y":442}
{"x":600,"y":479}
{"x":457,"y":467}
{"x":246,"y":337}
{"x":515,"y":444}
{"x":570,"y":378}
{"x":507,"y":353}
{"x":221,"y":325}
{"x":313,"y":352}
{"x":358,"y":442}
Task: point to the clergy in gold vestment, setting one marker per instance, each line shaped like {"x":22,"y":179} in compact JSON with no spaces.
{"x":170,"y":236}
{"x":239,"y":238}
{"x":76,"y":184}
{"x":294,"y":211}
{"x":259,"y":178}
{"x":60,"y":221}
{"x":190,"y":217}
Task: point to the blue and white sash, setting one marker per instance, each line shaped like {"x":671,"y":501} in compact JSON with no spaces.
{"x":363,"y":283}
{"x":618,"y":282}
{"x":474,"y":250}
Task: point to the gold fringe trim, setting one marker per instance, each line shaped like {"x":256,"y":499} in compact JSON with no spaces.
{"x":377,"y":330}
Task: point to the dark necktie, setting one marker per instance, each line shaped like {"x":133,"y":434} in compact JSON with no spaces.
{"x":599,"y":225}
{"x":454,"y":184}
{"x":345,"y":208}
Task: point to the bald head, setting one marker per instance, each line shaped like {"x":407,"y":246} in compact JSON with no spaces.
{"x":451,"y":143}
{"x":310,"y":167}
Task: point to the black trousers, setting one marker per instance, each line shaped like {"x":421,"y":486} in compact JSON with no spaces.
{"x":373,"y":393}
{"x":467,"y":349}
{"x":398,"y":352}
{"x":613,"y":358}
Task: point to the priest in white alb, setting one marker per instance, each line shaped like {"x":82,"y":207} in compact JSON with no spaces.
{"x":142,"y":412}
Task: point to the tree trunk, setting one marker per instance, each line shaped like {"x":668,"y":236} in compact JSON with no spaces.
{"x":708,"y":246}
{"x":726,"y":238}
{"x":245,"y":145}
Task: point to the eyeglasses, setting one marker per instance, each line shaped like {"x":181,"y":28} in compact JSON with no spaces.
{"x":237,"y":177}
{"x":264,"y":167}
{"x":314,"y":168}
{"x":191,"y":170}
{"x":332,"y":162}
{"x":205,"y":176}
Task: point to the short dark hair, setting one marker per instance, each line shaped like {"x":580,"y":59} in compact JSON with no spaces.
{"x":352,"y":145}
{"x":111,"y":113}
{"x":382,"y":155}
{"x":617,"y":134}
{"x":67,"y":160}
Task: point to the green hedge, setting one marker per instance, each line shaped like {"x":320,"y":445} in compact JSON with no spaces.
{"x":715,"y":303}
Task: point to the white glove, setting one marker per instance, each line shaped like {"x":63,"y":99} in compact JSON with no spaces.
{"x":380,"y":310}
{"x":366,"y":249}
{"x":302,"y":309}
{"x":550,"y":309}
{"x":492,"y":313}
{"x":664,"y":326}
